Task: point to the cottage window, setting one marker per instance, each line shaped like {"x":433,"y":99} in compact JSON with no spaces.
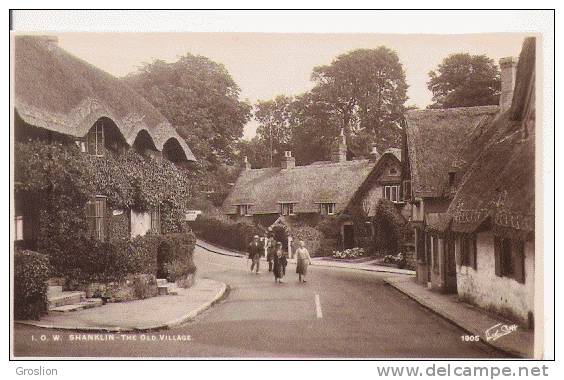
{"x":19,"y":227}
{"x":95,"y":139}
{"x":96,"y":215}
{"x":286,"y":208}
{"x":244,"y":210}
{"x":327,"y":208}
{"x":510,"y":258}
{"x":468,"y":251}
{"x":391,"y":193}
{"x":156,"y":220}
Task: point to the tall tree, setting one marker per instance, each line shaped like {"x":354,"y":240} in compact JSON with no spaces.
{"x":464,"y":80}
{"x":365,"y":88}
{"x":201,"y":99}
{"x":274,"y":130}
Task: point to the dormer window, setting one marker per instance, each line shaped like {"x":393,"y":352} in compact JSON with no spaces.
{"x":327,"y":208}
{"x":95,"y":140}
{"x":391,"y":193}
{"x":286,"y":208}
{"x":244,"y":210}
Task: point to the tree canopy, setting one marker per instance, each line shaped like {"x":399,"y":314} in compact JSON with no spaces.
{"x":464,"y":80}
{"x":362,"y":92}
{"x":201,"y":99}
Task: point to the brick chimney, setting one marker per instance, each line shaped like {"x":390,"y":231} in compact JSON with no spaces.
{"x":288,"y":162}
{"x":374,"y":155}
{"x":508,"y":68}
{"x":246,"y":164}
{"x":339,"y":150}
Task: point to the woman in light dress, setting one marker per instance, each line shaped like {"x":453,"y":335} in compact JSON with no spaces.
{"x":302,"y":255}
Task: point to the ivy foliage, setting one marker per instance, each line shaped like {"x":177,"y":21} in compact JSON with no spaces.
{"x":31,"y":272}
{"x":59,"y":179}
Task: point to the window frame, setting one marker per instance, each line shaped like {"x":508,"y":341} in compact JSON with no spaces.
{"x":327,"y":208}
{"x":287,"y":208}
{"x":155,"y":215}
{"x":97,"y":224}
{"x":244,"y":209}
{"x":98,"y":134}
{"x":510,"y":258}
{"x":392,"y":189}
{"x":19,"y":228}
{"x":468,"y":251}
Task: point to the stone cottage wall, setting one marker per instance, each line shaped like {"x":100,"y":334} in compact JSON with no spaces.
{"x":499,"y":294}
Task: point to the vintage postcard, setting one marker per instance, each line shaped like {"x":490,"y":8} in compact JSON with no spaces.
{"x":276,"y":195}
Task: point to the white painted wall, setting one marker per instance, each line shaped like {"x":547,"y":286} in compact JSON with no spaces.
{"x":500,"y":294}
{"x":140,"y":223}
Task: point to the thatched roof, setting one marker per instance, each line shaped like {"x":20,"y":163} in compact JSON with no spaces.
{"x":437,"y":222}
{"x":307,"y":186}
{"x":435,"y":138}
{"x":499,"y":186}
{"x":56,"y":91}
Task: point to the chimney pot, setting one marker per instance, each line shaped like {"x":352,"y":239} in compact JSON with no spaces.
{"x":288,"y":162}
{"x":508,"y":66}
{"x":374,"y":155}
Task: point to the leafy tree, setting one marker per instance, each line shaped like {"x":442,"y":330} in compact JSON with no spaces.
{"x":365,"y":89}
{"x":464,"y":80}
{"x":275,"y":130}
{"x":201,"y":99}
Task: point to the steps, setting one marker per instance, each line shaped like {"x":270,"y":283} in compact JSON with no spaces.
{"x":166,"y":288}
{"x":63,"y":302}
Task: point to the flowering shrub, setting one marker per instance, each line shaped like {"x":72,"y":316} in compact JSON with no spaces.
{"x":351,"y":253}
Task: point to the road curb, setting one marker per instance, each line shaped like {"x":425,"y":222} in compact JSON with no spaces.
{"x":232,"y":254}
{"x":452,"y":320}
{"x":116,"y":329}
{"x":225,"y":252}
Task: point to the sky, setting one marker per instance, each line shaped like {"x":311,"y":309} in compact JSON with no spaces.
{"x":265,"y":65}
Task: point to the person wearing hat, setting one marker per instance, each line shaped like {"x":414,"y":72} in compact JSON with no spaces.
{"x":255,"y":249}
{"x":270,"y":251}
{"x":280,"y":262}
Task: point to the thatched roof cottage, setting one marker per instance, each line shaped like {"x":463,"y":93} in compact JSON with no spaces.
{"x":319,"y":189}
{"x":61,"y":98}
{"x":495,"y":207}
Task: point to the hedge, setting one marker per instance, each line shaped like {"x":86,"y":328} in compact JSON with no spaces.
{"x":95,"y":261}
{"x":225,"y":232}
{"x":31,"y":272}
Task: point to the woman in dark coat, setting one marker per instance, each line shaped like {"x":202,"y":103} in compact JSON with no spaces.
{"x":280,"y":263}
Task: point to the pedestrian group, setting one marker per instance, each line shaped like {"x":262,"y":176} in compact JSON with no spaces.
{"x":277,"y":257}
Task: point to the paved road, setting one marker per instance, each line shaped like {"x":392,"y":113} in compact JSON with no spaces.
{"x":338,"y":313}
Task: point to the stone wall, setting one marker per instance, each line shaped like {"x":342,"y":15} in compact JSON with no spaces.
{"x":501,"y":295}
{"x":134,"y":287}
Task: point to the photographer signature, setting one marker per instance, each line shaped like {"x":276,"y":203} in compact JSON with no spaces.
{"x":497,"y":331}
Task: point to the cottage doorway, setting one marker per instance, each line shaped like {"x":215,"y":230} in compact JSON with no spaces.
{"x":164,"y":257}
{"x":450,"y":267}
{"x":348,"y":236}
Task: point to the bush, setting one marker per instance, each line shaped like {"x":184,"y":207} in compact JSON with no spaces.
{"x":311,"y":236}
{"x":96,"y":261}
{"x":179,"y":249}
{"x":225,"y":232}
{"x":31,"y":272}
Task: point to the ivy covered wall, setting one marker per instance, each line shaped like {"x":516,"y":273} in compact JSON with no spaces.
{"x":60,"y":180}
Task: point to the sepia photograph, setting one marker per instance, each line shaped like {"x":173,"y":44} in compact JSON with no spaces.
{"x":254,"y":195}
